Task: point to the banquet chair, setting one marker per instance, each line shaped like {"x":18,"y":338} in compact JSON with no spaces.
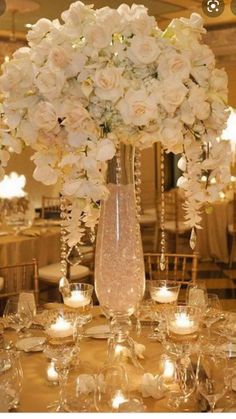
{"x":175,"y":227}
{"x":232,"y":234}
{"x":17,"y":278}
{"x":179,"y":267}
{"x":50,"y":207}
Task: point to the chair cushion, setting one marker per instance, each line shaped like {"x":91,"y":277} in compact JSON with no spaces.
{"x":147,"y":219}
{"x":171,"y":227}
{"x":52,"y":273}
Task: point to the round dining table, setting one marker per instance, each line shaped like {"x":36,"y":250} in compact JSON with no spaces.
{"x":37,"y":392}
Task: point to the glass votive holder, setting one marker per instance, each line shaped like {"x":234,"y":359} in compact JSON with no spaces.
{"x":164,"y":291}
{"x":78,"y":296}
{"x":183,"y":323}
{"x":52,"y":375}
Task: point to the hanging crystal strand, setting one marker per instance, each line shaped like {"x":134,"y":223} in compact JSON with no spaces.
{"x":162,"y":218}
{"x":193,"y":239}
{"x":118,"y":164}
{"x":137,"y":179}
{"x":63,"y":283}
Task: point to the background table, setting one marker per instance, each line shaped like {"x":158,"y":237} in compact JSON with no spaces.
{"x":41,"y":242}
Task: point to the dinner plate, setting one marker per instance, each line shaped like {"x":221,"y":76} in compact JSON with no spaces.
{"x":98,"y":332}
{"x":32,"y":344}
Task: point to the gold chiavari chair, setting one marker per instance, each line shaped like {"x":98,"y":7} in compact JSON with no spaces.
{"x":179,"y":267}
{"x":17,"y":278}
{"x":232,"y":234}
{"x":50,"y":207}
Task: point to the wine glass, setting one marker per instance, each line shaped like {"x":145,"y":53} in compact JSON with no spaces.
{"x":18,"y":315}
{"x":210,"y":375}
{"x":11,"y":378}
{"x":164,"y":294}
{"x":61,"y":332}
{"x":111,"y":388}
{"x":213,"y":311}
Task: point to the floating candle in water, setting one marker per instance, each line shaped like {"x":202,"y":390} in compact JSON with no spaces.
{"x":183,"y":325}
{"x":163,"y":295}
{"x":61,"y":328}
{"x":77,"y":299}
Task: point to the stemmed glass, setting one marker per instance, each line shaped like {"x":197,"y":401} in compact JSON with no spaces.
{"x":61,"y":330}
{"x":164,"y":294}
{"x":18,"y":315}
{"x":211,"y":376}
{"x":213,"y":311}
{"x":11,"y":377}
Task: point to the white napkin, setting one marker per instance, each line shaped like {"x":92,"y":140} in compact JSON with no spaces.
{"x":151,"y":387}
{"x":85,"y":384}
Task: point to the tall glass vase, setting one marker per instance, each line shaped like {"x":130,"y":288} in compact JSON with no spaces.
{"x":119,"y":264}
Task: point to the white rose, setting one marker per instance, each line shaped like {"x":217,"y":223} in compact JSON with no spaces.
{"x":110,"y":19}
{"x":78,"y":119}
{"x":27,"y":132}
{"x":172,"y":135}
{"x":186,"y":113}
{"x":39,"y":31}
{"x":40,"y":52}
{"x":97,"y":36}
{"x":77,"y":139}
{"x":219,"y":84}
{"x":44,"y":116}
{"x":45,"y":174}
{"x":77,"y":14}
{"x":18,"y":74}
{"x":171,"y":95}
{"x":197,"y":101}
{"x":60,"y":57}
{"x":143,"y":49}
{"x":218,"y":117}
{"x":13,"y":117}
{"x":105,"y":150}
{"x":108,"y":82}
{"x":23,"y":52}
{"x":50,"y":83}
{"x":173,"y":64}
{"x":137,"y":107}
{"x":143,"y":25}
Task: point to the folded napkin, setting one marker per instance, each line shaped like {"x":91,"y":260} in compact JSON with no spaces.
{"x":85,"y":384}
{"x":151,"y":387}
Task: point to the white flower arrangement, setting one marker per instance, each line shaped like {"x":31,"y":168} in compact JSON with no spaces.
{"x":114,"y":69}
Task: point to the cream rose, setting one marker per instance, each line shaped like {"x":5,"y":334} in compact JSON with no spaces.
{"x":60,"y":57}
{"x":172,"y":64}
{"x":197,"y":101}
{"x":131,"y":13}
{"x":172,"y":94}
{"x":143,"y":49}
{"x":18,"y":75}
{"x":50,"y":83}
{"x":137,"y":107}
{"x":219,"y":84}
{"x":172,"y":135}
{"x":44,"y":116}
{"x":108,"y":82}
{"x":143,"y":25}
{"x":97,"y":36}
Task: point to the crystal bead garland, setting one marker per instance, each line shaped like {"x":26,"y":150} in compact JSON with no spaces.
{"x":162,"y":218}
{"x":138,"y":181}
{"x":63,"y":283}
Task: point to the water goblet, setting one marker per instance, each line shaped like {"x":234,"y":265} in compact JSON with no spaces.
{"x":164,"y":294}
{"x":213,"y":311}
{"x":61,"y":332}
{"x":111,"y":388}
{"x":210,"y":375}
{"x":17,"y":315}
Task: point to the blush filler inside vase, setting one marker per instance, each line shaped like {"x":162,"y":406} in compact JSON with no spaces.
{"x":119,"y":264}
